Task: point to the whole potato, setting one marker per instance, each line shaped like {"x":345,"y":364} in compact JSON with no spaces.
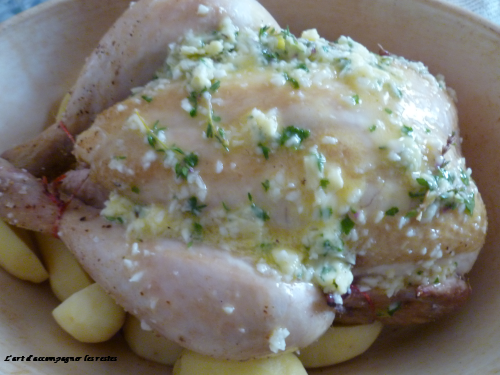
{"x":339,"y":344}
{"x":191,"y":363}
{"x":90,"y":315}
{"x":149,"y":344}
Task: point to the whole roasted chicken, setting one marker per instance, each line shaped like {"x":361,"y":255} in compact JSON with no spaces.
{"x":237,"y":187}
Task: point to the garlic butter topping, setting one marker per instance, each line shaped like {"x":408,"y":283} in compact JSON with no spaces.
{"x":303,"y":155}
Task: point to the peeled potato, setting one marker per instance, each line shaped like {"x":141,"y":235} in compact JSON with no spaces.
{"x":17,"y":256}
{"x":90,"y":315}
{"x":148,"y":344}
{"x":340,"y":344}
{"x":191,"y":363}
{"x":66,"y":276}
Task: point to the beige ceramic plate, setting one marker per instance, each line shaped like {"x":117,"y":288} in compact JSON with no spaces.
{"x":42,"y":50}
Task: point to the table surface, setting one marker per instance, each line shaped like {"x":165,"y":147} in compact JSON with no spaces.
{"x":489,"y":9}
{"x":9,"y":8}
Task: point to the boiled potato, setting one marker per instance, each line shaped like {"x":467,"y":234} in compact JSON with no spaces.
{"x":17,"y":256}
{"x":191,"y":363}
{"x":90,"y":315}
{"x":66,"y":276}
{"x":148,"y":344}
{"x":339,"y":344}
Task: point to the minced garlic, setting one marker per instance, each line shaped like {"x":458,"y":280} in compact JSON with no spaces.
{"x":332,"y":197}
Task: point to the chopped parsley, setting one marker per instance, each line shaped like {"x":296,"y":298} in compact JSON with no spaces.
{"x":193,"y":100}
{"x":298,"y":135}
{"x":343,"y":64}
{"x":324,"y":183}
{"x":329,"y":247}
{"x":419,"y":194}
{"x":355,"y":99}
{"x":154,"y":133}
{"x":194,"y":96}
{"x":464,"y":177}
{"x":221,"y":137}
{"x":347,"y":225}
{"x":325,"y":212}
{"x":135,"y":189}
{"x":218,"y":133}
{"x":182,"y":168}
{"x":266,"y":247}
{"x":264,"y":31}
{"x":393,"y":307}
{"x":260,"y":213}
{"x":194,"y":207}
{"x":287,"y":34}
{"x":449,"y":196}
{"x":265,"y":150}
{"x":444,"y":174}
{"x":392,"y":211}
{"x":269,"y":56}
{"x":210,"y":130}
{"x":197,"y":233}
{"x":266,"y":184}
{"x":470,"y":203}
{"x":320,"y":160}
{"x":215,"y":86}
{"x":396,"y":91}
{"x":185,"y":166}
{"x":257,"y":211}
{"x":410,"y":214}
{"x":118,"y":219}
{"x":291,"y":80}
{"x":303,"y":66}
{"x":407,"y":130}
{"x":148,"y":99}
{"x":423,"y":182}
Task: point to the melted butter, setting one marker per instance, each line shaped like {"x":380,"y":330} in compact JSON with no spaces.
{"x":316,"y":187}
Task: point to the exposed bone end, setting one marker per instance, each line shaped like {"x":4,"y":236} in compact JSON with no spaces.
{"x":77,"y":183}
{"x":49,"y":154}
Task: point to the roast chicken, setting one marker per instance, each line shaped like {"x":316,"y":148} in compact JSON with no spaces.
{"x":239,"y":188}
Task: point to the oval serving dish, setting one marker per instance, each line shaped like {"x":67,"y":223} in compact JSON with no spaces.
{"x":42,"y":52}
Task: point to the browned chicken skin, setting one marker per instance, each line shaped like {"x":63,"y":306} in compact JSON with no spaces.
{"x":411,"y":305}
